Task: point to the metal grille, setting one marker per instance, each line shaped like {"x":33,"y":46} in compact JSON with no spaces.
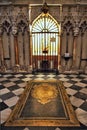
{"x":45,"y":39}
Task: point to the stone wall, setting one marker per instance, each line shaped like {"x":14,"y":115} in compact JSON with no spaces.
{"x":15,"y":33}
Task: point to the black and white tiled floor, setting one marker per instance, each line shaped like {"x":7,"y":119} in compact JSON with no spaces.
{"x":12,"y":86}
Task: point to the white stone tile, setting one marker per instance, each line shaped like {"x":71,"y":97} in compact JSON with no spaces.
{"x":82,"y":116}
{"x":64,"y":79}
{"x":51,"y":75}
{"x":76,"y":101}
{"x":5,"y":114}
{"x":57,"y":128}
{"x":83,"y":75}
{"x":7,"y":75}
{"x":76,"y":79}
{"x":2,"y":79}
{"x":40,"y":75}
{"x":14,"y":79}
{"x":27,"y":79}
{"x":72,"y":75}
{"x":18,"y":75}
{"x":62,"y":75}
{"x":29,"y":75}
{"x":11,"y":101}
{"x":9,"y":84}
{"x":0,"y":100}
{"x":85,"y":79}
{"x":81,"y":84}
{"x":71,"y":91}
{"x":18,"y":91}
{"x":84,"y":90}
{"x":4,"y":91}
{"x":39,"y":78}
{"x":22,"y":85}
{"x":26,"y":128}
{"x":66,"y":84}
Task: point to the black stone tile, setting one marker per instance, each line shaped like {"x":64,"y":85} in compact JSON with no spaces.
{"x":80,"y":77}
{"x":1,"y":86}
{"x":13,"y":87}
{"x":21,"y":77}
{"x":11,"y":77}
{"x":19,"y":81}
{"x":72,"y":82}
{"x":84,"y":106}
{"x":3,"y":106}
{"x":76,"y":87}
{"x":81,"y":95}
{"x":5,"y":81}
{"x":74,"y":107}
{"x":7,"y":96}
{"x":84,"y":81}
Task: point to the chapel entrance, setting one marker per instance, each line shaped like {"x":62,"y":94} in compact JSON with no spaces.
{"x":45,"y":43}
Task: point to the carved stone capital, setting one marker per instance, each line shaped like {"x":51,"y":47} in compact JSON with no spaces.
{"x":14,"y":30}
{"x":76,"y":31}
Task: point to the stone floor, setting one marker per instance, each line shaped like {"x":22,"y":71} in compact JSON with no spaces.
{"x":12,"y":86}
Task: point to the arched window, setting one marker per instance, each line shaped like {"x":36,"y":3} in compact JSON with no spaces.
{"x":45,"y":30}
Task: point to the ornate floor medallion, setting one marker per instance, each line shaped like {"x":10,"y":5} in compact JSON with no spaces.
{"x":43,"y":103}
{"x":44,"y":92}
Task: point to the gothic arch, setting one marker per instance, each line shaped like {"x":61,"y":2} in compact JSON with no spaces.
{"x":83,"y":25}
{"x":46,"y":40}
{"x":68,"y":18}
{"x":22,"y":26}
{"x":22,"y":22}
{"x":6,"y":26}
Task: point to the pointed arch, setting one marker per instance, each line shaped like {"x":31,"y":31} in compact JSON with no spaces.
{"x":45,"y":21}
{"x":46,"y":40}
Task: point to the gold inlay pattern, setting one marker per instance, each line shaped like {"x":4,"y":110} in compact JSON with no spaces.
{"x":44,"y":92}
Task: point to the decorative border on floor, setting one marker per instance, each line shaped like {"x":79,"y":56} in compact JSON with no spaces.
{"x":15,"y":119}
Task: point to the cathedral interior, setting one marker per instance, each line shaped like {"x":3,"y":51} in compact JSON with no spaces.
{"x":42,"y":40}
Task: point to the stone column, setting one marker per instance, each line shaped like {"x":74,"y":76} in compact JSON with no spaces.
{"x":78,"y":52}
{"x":14,"y":32}
{"x":26,"y":44}
{"x":30,"y":40}
{"x":60,"y":39}
{"x":76,"y":32}
{"x":59,"y":61}
{"x":21,"y":48}
{"x":30,"y":50}
{"x":70,"y":49}
{"x":84,"y":50}
{"x":1,"y":48}
{"x":12,"y":51}
{"x":63,"y":48}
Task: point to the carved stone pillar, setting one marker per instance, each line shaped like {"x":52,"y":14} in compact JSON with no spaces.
{"x":16,"y":49}
{"x":84,"y":51}
{"x":76,"y":32}
{"x":83,"y":59}
{"x":14,"y":31}
{"x":59,"y":61}
{"x":30,"y":41}
{"x":26,"y":44}
{"x":1,"y":48}
{"x":12,"y":52}
{"x":30,"y":50}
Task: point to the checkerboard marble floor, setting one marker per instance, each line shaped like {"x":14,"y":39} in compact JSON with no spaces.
{"x":13,"y":85}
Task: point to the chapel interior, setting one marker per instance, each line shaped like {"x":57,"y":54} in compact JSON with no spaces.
{"x":43,"y":39}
